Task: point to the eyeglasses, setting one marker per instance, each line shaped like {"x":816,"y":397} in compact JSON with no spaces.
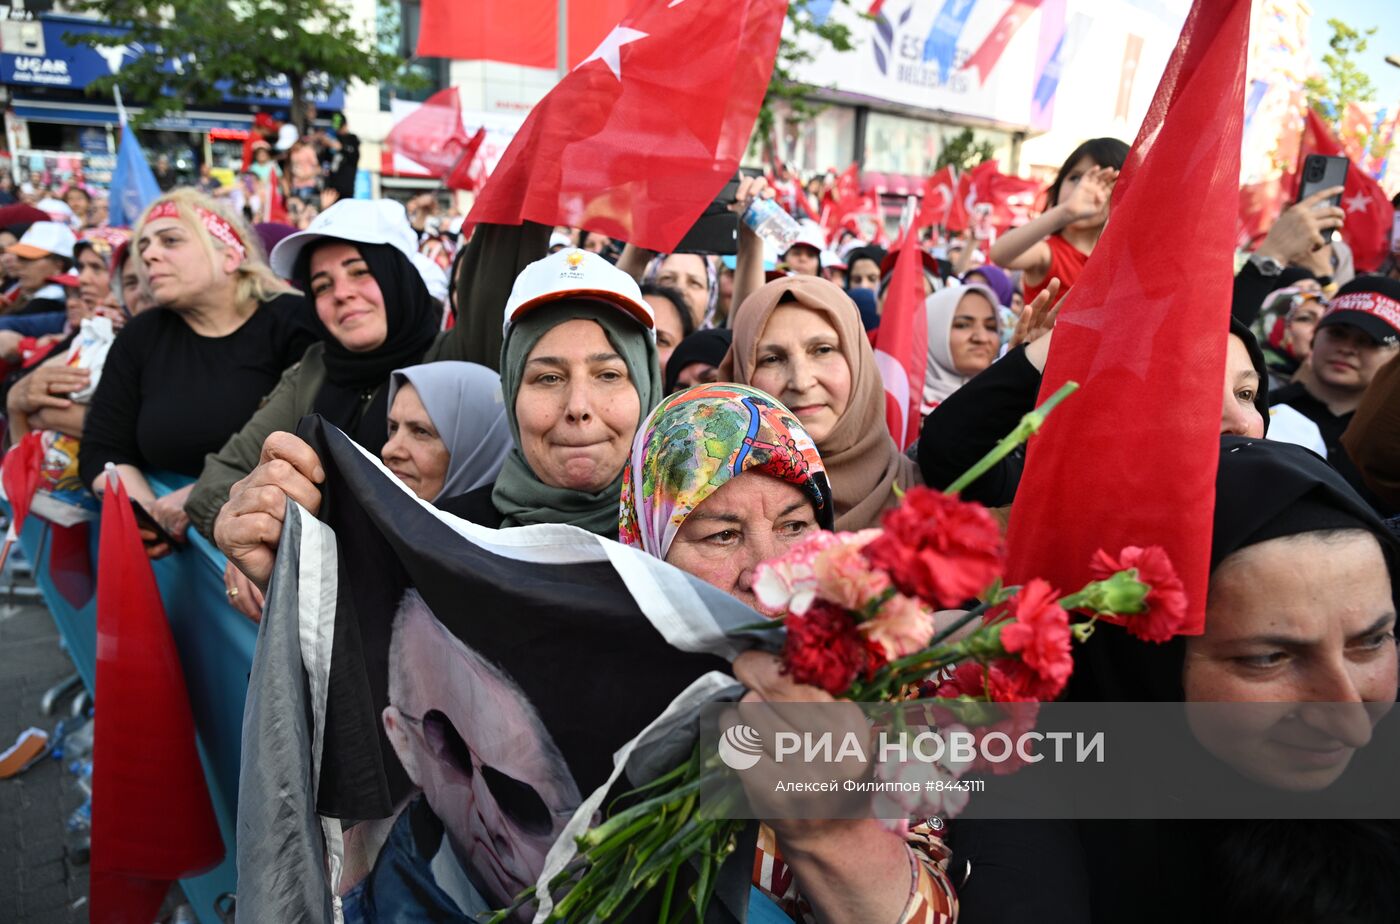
{"x":518,"y":801}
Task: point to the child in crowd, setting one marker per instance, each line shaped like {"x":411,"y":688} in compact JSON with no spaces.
{"x":1058,"y":242}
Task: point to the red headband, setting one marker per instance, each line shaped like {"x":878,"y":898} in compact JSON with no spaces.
{"x":217,"y":226}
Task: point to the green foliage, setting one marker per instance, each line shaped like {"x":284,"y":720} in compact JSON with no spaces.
{"x":211,"y":45}
{"x":964,"y":152}
{"x":1344,"y":82}
{"x":786,"y":90}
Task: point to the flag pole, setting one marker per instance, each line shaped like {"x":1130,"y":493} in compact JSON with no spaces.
{"x":561,"y":48}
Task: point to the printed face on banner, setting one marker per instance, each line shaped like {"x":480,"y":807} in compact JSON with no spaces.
{"x":471,"y":741}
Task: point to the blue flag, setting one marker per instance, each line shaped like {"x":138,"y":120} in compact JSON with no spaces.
{"x":133,"y":184}
{"x":942,"y":42}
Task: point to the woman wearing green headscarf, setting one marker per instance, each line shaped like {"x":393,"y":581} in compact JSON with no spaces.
{"x":579,"y":373}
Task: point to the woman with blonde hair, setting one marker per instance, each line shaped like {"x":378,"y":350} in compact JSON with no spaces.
{"x":186,"y":375}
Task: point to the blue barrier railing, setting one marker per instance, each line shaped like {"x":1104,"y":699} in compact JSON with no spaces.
{"x":216,"y":651}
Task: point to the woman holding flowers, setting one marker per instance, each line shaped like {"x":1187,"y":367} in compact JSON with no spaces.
{"x":800,"y":339}
{"x":722,"y":478}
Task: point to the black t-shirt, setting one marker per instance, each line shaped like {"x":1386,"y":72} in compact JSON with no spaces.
{"x":1331,"y":426}
{"x":168,"y":396}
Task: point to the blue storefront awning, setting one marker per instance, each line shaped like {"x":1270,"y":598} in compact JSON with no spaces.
{"x":35,"y":111}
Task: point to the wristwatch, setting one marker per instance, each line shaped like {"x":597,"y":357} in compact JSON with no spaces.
{"x":1267,"y":266}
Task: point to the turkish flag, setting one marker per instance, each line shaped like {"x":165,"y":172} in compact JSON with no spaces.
{"x":513,"y":31}
{"x":1260,"y":204}
{"x":433,"y":136}
{"x":1011,"y":199}
{"x":842,"y":199}
{"x":1130,"y":459}
{"x":901,"y":343}
{"x":152,"y":821}
{"x":1369,"y":214}
{"x":938,"y":193}
{"x":640,"y":137}
{"x":973,"y":186}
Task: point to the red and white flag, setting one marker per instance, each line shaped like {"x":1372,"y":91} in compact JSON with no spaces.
{"x":1369,"y":214}
{"x":639,"y":138}
{"x":937,"y":200}
{"x":434,"y":137}
{"x":901,"y":343}
{"x":1146,"y":345}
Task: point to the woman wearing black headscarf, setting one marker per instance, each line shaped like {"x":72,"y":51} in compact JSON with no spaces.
{"x":1296,"y":553}
{"x":971,"y":420}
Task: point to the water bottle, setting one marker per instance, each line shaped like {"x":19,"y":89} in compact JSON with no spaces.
{"x":774,"y":226}
{"x":77,"y":742}
{"x":80,"y":819}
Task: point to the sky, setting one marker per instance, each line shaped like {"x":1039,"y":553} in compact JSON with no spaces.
{"x":1361,"y":14}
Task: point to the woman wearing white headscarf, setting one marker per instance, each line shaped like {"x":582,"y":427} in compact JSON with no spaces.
{"x":963,"y":339}
{"x":447,"y":428}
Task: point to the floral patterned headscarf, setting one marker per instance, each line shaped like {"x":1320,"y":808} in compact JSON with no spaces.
{"x":698,"y":439}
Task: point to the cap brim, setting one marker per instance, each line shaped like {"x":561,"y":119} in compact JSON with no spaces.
{"x":593,"y":295}
{"x":1368,"y":324}
{"x":285,"y":252}
{"x":30,"y":252}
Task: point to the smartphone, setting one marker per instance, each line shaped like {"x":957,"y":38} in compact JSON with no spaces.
{"x":147,"y":522}
{"x":1321,"y":171}
{"x":717,"y":228}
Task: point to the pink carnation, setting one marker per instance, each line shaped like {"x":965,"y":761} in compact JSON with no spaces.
{"x":901,"y":627}
{"x":789,"y":583}
{"x":846,"y":578}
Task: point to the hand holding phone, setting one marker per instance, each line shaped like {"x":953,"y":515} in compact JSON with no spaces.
{"x":1321,"y":172}
{"x":147,"y":524}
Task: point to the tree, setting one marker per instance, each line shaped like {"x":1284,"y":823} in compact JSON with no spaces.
{"x":964,"y":152}
{"x":199,"y":51}
{"x":1344,"y":82}
{"x":786,"y":90}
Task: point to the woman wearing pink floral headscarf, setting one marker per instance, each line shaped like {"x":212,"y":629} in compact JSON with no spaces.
{"x":723,"y":477}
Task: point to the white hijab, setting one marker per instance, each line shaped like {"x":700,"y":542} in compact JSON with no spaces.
{"x":941,"y":379}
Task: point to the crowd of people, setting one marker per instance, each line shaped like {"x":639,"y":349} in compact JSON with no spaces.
{"x":533,"y":375}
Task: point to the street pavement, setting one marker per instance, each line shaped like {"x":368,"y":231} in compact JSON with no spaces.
{"x":39,"y":882}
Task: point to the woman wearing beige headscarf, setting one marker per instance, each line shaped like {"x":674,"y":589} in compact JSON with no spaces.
{"x":800,"y":339}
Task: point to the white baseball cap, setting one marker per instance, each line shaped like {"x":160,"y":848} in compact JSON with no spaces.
{"x":574,"y":273}
{"x":45,"y":239}
{"x":359,"y":221}
{"x":287,"y":136}
{"x":811,"y":234}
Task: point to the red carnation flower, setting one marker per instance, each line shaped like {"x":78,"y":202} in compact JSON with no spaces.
{"x":825,"y":649}
{"x":938,"y":548}
{"x":1007,"y":681}
{"x":1040,"y":634}
{"x":1166,"y":601}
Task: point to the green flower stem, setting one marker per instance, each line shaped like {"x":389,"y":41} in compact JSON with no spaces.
{"x":1024,"y":430}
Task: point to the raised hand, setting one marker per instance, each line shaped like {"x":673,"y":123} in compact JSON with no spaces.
{"x":1091,"y":194}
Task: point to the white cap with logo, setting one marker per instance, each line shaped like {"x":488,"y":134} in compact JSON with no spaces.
{"x":574,"y":273}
